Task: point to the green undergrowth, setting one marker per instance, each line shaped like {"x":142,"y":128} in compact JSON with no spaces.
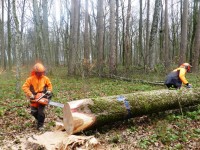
{"x":166,"y":130}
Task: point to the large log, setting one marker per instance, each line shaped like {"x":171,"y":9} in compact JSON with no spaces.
{"x":93,"y":112}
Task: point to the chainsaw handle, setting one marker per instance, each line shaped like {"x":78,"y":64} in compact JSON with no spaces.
{"x":36,"y":100}
{"x":40,"y":97}
{"x":32,"y":100}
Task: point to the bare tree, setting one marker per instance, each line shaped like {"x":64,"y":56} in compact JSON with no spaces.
{"x":73,"y":47}
{"x":183,"y":44}
{"x":17,"y":48}
{"x":140,"y":31}
{"x":196,"y":45}
{"x":123,"y":34}
{"x":22,"y":30}
{"x":166,"y":36}
{"x":175,"y":25}
{"x":9,"y":36}
{"x":37,"y":32}
{"x":193,"y":21}
{"x":86,"y":62}
{"x":128,"y":54}
{"x":112,"y":54}
{"x":45,"y":34}
{"x":153,"y":33}
{"x":146,"y":57}
{"x":3,"y":63}
{"x":117,"y":32}
{"x":100,"y":31}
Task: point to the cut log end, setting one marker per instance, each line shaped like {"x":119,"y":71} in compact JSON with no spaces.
{"x":68,"y":119}
{"x":75,"y":120}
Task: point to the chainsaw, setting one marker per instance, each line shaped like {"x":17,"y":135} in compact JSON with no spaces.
{"x":44,"y":101}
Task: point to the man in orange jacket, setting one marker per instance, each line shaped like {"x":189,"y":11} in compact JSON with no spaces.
{"x":37,"y":83}
{"x":177,"y":77}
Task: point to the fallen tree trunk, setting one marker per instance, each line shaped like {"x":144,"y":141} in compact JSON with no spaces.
{"x":87,"y":113}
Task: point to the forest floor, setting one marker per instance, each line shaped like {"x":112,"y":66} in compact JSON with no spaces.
{"x":173,"y":129}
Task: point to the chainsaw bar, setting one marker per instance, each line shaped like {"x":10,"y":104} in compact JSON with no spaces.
{"x":56,"y":104}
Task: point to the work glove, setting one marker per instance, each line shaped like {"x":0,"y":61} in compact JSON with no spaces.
{"x":32,"y":97}
{"x":188,"y":85}
{"x":48,"y":92}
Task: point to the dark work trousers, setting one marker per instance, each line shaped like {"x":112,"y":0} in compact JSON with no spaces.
{"x":39,"y":115}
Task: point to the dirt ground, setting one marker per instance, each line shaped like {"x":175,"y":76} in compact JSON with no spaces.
{"x":132,"y":134}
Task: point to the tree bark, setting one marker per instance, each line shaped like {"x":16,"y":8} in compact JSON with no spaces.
{"x":193,"y":20}
{"x":174,"y":31}
{"x":117,"y":32}
{"x":183,"y":44}
{"x":3,"y":60}
{"x":100,"y":31}
{"x":73,"y":47}
{"x":86,"y":62}
{"x":153,"y":33}
{"x":45,"y":35}
{"x":23,"y":51}
{"x":146,"y":60}
{"x":37,"y":35}
{"x":112,"y":53}
{"x":140,"y":33}
{"x":9,"y":36}
{"x":127,"y":40}
{"x":166,"y":36}
{"x":94,"y":112}
{"x":196,"y":45}
{"x":18,"y":52}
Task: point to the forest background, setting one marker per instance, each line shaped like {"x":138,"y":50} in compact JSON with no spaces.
{"x":95,"y":38}
{"x":98,"y":37}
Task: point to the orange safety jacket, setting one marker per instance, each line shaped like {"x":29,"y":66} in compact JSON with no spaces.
{"x":176,"y":77}
{"x":34,"y":85}
{"x":182,"y":72}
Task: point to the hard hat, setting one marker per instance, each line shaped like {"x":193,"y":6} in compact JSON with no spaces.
{"x":38,"y":67}
{"x":187,"y":66}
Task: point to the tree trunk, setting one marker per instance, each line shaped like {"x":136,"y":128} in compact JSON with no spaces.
{"x":196,"y":45}
{"x":117,"y":32}
{"x":140,"y":43}
{"x":23,"y":51}
{"x":174,"y":27}
{"x":18,"y":60}
{"x":166,"y":36}
{"x":146,"y":60}
{"x":45,"y":35}
{"x":9,"y":37}
{"x":86,"y":62}
{"x":161,"y":53}
{"x":3,"y":60}
{"x":193,"y":27}
{"x":127,"y":40}
{"x":112,"y":53}
{"x":37,"y":37}
{"x":183,"y":45}
{"x":123,"y":34}
{"x":94,"y":112}
{"x":153,"y":33}
{"x":100,"y":31}
{"x":73,"y":47}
